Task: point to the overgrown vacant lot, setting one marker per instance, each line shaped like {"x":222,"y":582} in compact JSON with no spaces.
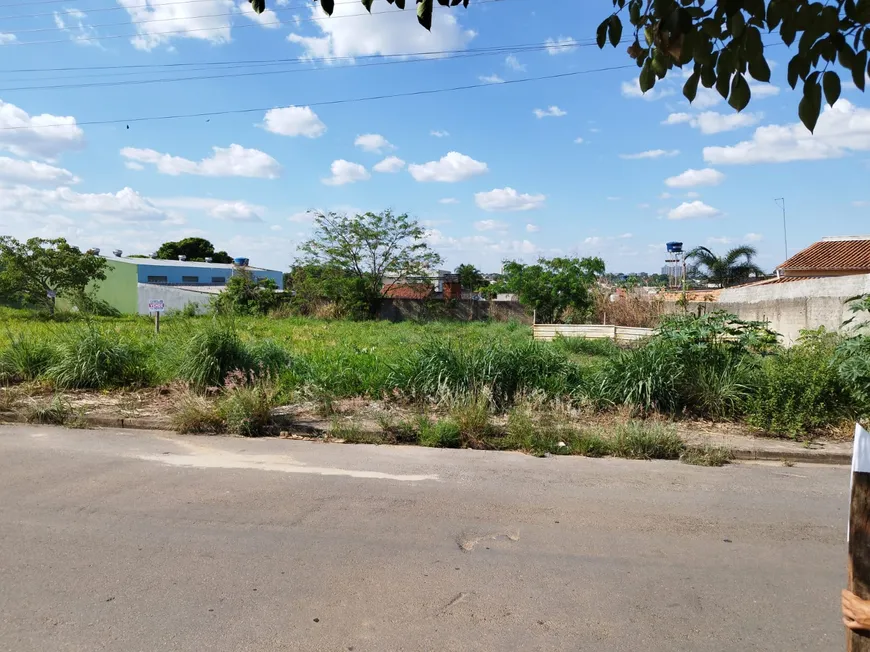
{"x":484,"y":385}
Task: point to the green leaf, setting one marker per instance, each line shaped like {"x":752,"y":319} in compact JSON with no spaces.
{"x":259,"y":6}
{"x":634,"y":12}
{"x":740,"y":93}
{"x":368,"y":5}
{"x":723,"y":84}
{"x":753,"y":43}
{"x":858,"y":69}
{"x":708,"y":76}
{"x":328,"y":6}
{"x":601,"y":33}
{"x":400,"y":4}
{"x":424,"y":13}
{"x":846,"y":56}
{"x":794,"y":68}
{"x":615,"y":30}
{"x":811,"y":105}
{"x":774,"y":14}
{"x":737,"y":24}
{"x":759,"y":69}
{"x":690,"y":88}
{"x":444,"y":3}
{"x":831,"y":84}
{"x":647,"y":77}
{"x":788,"y":31}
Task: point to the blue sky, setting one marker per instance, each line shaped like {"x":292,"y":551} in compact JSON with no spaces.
{"x":580,"y":164}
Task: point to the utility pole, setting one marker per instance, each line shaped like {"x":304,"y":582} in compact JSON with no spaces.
{"x":781,"y":203}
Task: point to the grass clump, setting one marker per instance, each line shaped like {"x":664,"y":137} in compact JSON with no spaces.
{"x":25,"y":359}
{"x":603,"y":347}
{"x":55,"y":411}
{"x":443,"y":433}
{"x":93,"y":358}
{"x":707,"y":455}
{"x":246,"y":403}
{"x":210,"y":354}
{"x":194,"y":413}
{"x":646,"y":379}
{"x":646,"y":440}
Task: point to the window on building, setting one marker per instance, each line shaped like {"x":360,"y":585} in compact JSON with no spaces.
{"x":190,"y":279}
{"x":220,"y":280}
{"x":157,"y":279}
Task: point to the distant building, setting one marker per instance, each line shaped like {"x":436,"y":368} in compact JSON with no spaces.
{"x":839,"y":256}
{"x":131,"y":283}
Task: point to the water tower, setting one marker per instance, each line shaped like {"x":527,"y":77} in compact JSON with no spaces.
{"x":676,"y":264}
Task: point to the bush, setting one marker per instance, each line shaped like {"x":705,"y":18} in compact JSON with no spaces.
{"x":95,"y":359}
{"x":25,"y":358}
{"x":646,"y":379}
{"x":210,"y":354}
{"x":798,"y":392}
{"x":194,"y":413}
{"x":246,"y":404}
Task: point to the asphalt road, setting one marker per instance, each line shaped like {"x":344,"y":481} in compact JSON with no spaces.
{"x":142,"y":541}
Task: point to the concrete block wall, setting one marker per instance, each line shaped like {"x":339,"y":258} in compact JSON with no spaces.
{"x":173,"y":298}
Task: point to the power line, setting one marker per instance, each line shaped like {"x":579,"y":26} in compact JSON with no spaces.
{"x":370,"y":98}
{"x":74,"y":12}
{"x":198,"y":29}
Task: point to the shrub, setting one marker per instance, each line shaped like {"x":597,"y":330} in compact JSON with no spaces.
{"x":55,"y":411}
{"x":798,"y":392}
{"x":25,"y":358}
{"x":95,"y":359}
{"x":646,"y":440}
{"x":246,"y":404}
{"x":194,"y":413}
{"x":210,"y":354}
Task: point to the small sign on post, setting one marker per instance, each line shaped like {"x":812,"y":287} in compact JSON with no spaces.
{"x":156,"y":306}
{"x":859,"y":532}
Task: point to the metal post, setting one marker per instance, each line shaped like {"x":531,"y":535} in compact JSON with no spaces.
{"x":784,"y":231}
{"x":157,"y":322}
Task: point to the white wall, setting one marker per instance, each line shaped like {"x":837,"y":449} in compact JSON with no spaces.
{"x":796,"y":305}
{"x":173,"y":298}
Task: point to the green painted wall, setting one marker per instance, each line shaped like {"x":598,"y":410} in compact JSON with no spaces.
{"x":120,"y":289}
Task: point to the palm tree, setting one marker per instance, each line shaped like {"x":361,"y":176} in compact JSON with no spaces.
{"x":734,"y":267}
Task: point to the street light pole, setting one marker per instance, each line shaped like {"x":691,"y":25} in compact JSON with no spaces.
{"x":784,"y":232}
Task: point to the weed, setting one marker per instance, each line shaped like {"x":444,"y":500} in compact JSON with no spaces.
{"x":646,"y":440}
{"x":473,"y":421}
{"x":246,"y":404}
{"x":788,"y":463}
{"x":351,"y":433}
{"x":707,"y":455}
{"x":54,"y":411}
{"x":646,"y":379}
{"x":720,"y":391}
{"x":210,"y":354}
{"x":267,"y":356}
{"x":604,"y":347}
{"x":91,"y":358}
{"x":444,"y":433}
{"x":10,"y":397}
{"x":26,"y":358}
{"x":194,"y":413}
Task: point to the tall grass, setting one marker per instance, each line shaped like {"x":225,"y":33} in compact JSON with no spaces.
{"x":97,"y":358}
{"x":210,"y":354}
{"x":25,"y":358}
{"x":647,"y":379}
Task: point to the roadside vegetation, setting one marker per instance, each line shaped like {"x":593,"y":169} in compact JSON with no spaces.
{"x":473,"y":385}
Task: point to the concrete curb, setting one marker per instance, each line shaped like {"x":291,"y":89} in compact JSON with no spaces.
{"x":808,"y":456}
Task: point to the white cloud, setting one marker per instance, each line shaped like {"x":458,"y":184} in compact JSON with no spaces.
{"x":711,"y":122}
{"x":651,"y":153}
{"x":439,"y":134}
{"x":161,"y":22}
{"x":508,"y":199}
{"x":294,"y":121}
{"x":514,"y":64}
{"x":631,"y":89}
{"x":392,"y":32}
{"x":491,"y":79}
{"x":276,"y":227}
{"x":625,"y":236}
{"x":267,"y":19}
{"x":346,"y":172}
{"x":860,"y":203}
{"x":237,"y":211}
{"x":232,"y":161}
{"x":614,"y":198}
{"x":301,"y":217}
{"x":448,"y":200}
{"x":665,"y":195}
{"x":373,"y":143}
{"x":692,"y":194}
{"x":74,"y":22}
{"x":643,"y":206}
{"x":450,"y":168}
{"x":133,"y":165}
{"x":490,"y":225}
{"x":721,"y":240}
{"x":593,"y":240}
{"x":706,"y":98}
{"x":532,"y":228}
{"x":760,"y":90}
{"x":124,"y":205}
{"x":389,"y":164}
{"x":16,"y":171}
{"x":578,"y":140}
{"x":841,"y":129}
{"x":693,"y":210}
{"x":753,"y":237}
{"x":691,"y":178}
{"x":6,"y":38}
{"x":549,"y":112}
{"x":44,"y":136}
{"x":561,"y":45}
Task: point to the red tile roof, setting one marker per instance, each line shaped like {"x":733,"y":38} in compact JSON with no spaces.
{"x":841,"y":254}
{"x":415,"y":291}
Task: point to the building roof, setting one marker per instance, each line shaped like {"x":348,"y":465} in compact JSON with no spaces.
{"x":848,"y":253}
{"x":408,"y":291}
{"x":179,"y":263}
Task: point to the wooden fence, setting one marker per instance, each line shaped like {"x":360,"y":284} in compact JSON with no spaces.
{"x":548,"y":332}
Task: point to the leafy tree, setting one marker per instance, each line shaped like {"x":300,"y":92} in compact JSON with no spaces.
{"x":722,"y":41}
{"x":312,"y":286}
{"x":194,"y":248}
{"x":36,"y":271}
{"x":470,"y":278}
{"x":245,"y":295}
{"x":553,"y":287}
{"x":736,"y":266}
{"x":377,"y":250}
